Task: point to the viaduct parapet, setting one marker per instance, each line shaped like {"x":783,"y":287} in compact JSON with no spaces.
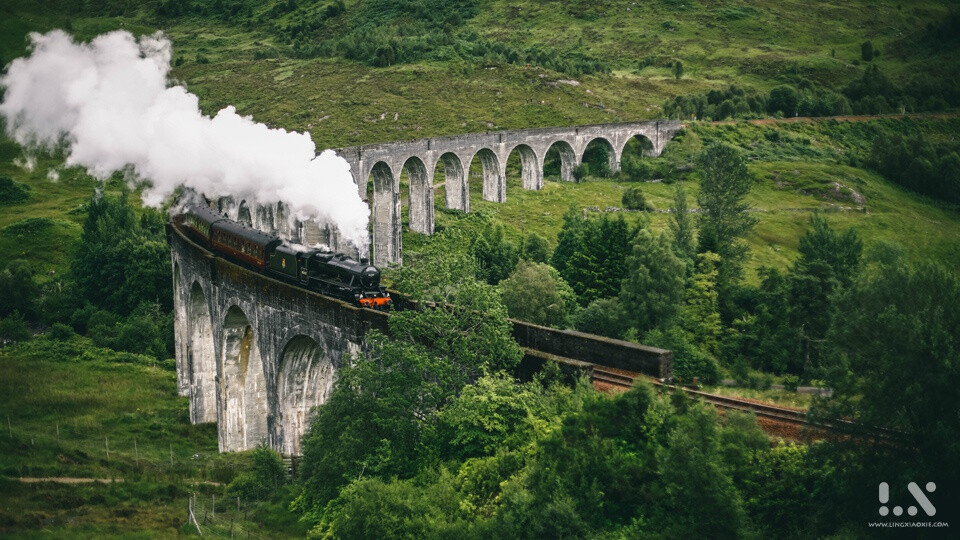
{"x":382,"y":164}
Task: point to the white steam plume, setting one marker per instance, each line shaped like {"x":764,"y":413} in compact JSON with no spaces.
{"x":110,"y":102}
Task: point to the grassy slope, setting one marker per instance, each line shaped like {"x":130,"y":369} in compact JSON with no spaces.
{"x":90,"y":395}
{"x":792,"y":180}
{"x":758,"y":43}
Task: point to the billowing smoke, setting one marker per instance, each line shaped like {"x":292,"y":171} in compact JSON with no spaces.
{"x":109,"y":103}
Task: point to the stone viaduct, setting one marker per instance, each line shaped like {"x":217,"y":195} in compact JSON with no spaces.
{"x":383,"y":164}
{"x":257,"y":355}
{"x":253,"y":354}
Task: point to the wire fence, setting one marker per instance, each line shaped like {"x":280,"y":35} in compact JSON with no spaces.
{"x":73,"y":452}
{"x":109,"y":454}
{"x":213,"y":517}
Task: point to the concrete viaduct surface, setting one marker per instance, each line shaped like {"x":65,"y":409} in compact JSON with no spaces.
{"x":383,"y":164}
{"x":256,"y":355}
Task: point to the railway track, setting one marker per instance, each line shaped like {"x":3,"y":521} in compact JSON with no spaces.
{"x":780,"y":421}
{"x":621,"y":379}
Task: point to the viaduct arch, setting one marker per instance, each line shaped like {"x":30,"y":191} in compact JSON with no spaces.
{"x":256,"y":355}
{"x":379,"y":166}
{"x":253,"y":354}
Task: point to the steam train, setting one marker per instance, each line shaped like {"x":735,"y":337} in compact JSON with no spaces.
{"x":325,"y":272}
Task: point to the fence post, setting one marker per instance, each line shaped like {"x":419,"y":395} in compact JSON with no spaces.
{"x":136,"y":453}
{"x":213,"y":506}
{"x":106,"y":444}
{"x":171,"y":454}
{"x":58,"y":434}
{"x":9,"y":427}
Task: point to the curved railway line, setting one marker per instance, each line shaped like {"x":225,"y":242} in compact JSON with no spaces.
{"x":782,"y":421}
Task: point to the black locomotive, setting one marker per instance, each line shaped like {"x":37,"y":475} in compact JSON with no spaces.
{"x":332,"y":274}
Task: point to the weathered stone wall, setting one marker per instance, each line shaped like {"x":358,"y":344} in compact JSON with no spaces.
{"x":254,"y":354}
{"x":383,"y":164}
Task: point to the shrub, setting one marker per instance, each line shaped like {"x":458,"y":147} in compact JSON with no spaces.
{"x":689,"y":361}
{"x":60,"y":332}
{"x":633,"y":199}
{"x":495,"y":256}
{"x":13,"y":192}
{"x":262,"y":479}
{"x":28,"y":226}
{"x":603,"y":317}
{"x":581,"y":172}
{"x":866,"y":51}
{"x":14,"y":329}
{"x":784,"y":99}
{"x":536,"y":293}
{"x":790,"y":382}
{"x":636,"y":168}
{"x":535,"y":248}
{"x":759,"y":381}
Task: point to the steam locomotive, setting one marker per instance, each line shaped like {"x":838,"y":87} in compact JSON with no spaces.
{"x":325,"y":272}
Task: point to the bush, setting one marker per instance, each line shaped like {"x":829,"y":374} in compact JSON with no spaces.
{"x":581,"y":172}
{"x":18,"y":292}
{"x":633,"y":199}
{"x":14,"y":329}
{"x":536,"y":293}
{"x":263,"y":478}
{"x":603,"y":317}
{"x":688,"y":360}
{"x":13,"y":192}
{"x":535,"y":248}
{"x":635,"y":168}
{"x":60,"y":332}
{"x":784,"y":99}
{"x":791,"y":382}
{"x":496,"y":257}
{"x":758,"y":380}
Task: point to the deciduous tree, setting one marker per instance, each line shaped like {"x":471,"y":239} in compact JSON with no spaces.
{"x":724,"y":185}
{"x":652,"y":287}
{"x":536,"y":293}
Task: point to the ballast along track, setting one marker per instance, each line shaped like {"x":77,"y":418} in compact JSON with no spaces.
{"x":782,"y":421}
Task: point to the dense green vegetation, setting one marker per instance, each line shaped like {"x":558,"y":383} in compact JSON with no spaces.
{"x":817,"y":252}
{"x":422,"y":452}
{"x":244,"y":53}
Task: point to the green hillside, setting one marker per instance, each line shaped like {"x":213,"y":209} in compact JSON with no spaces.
{"x":82,"y":371}
{"x":290,"y":68}
{"x":285,"y":63}
{"x":797,"y":167}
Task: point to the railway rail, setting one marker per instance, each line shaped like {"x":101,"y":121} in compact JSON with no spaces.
{"x":779,"y":420}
